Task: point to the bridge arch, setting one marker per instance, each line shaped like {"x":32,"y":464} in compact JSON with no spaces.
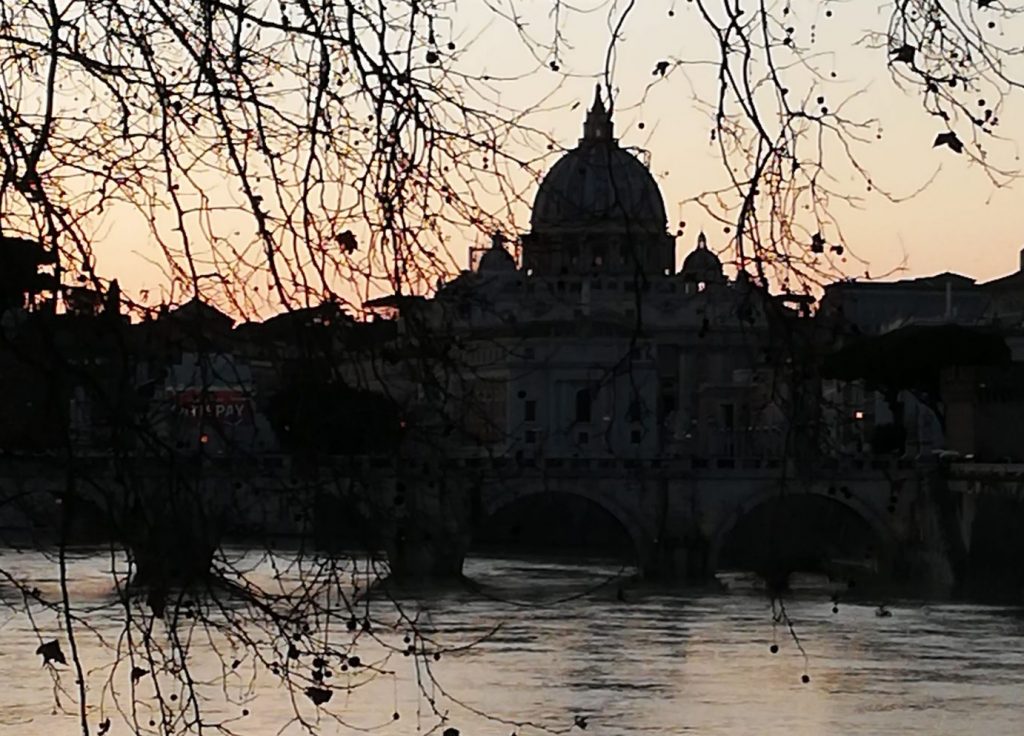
{"x":499,"y":498}
{"x":813,"y":518}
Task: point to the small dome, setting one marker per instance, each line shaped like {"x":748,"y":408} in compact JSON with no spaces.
{"x":599,"y":184}
{"x":497,"y":259}
{"x":702,"y":265}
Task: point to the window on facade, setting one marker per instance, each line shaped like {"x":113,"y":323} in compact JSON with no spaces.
{"x":583,"y":438}
{"x":668,"y":403}
{"x":484,"y":411}
{"x":667,"y":358}
{"x":583,"y":405}
{"x":635,"y":410}
{"x":530,"y":437}
{"x":635,"y":436}
{"x":728,"y":417}
{"x":530,"y":410}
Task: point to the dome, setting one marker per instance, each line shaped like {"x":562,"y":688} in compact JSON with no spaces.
{"x":702,"y":265}
{"x":598,"y":184}
{"x":496,"y":259}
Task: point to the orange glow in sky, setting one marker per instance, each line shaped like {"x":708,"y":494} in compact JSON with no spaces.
{"x":959,"y":222}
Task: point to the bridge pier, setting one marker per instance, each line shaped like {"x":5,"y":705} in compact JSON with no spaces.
{"x":681,"y":559}
{"x":429,"y":523}
{"x":165,"y":558}
{"x":932,"y":556}
{"x":171,"y":529}
{"x":984,"y":511}
{"x":418,"y":554}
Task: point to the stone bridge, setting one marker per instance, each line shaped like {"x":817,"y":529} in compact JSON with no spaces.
{"x":686,"y":518}
{"x":170,"y":513}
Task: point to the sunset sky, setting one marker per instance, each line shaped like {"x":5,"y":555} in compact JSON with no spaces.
{"x":960,"y":222}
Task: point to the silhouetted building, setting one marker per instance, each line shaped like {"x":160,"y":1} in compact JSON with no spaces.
{"x":983,"y":410}
{"x":855,"y":412}
{"x":596,"y":344}
{"x":873,"y":307}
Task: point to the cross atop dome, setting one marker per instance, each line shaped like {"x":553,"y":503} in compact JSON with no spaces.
{"x":598,"y":126}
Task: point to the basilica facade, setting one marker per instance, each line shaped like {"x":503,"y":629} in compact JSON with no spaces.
{"x":595,"y":341}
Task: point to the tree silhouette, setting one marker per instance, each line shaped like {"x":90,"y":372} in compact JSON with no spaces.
{"x":286,"y":155}
{"x":20,"y":279}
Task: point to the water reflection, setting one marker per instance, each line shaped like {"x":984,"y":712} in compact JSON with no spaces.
{"x":553,"y":641}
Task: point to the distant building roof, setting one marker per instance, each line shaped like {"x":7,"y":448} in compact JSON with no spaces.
{"x":702,"y":265}
{"x":394,"y":301}
{"x":936,"y":282}
{"x":325,"y":314}
{"x":496,"y":259}
{"x":196,"y":310}
{"x":881,"y":306}
{"x":1011,"y":281}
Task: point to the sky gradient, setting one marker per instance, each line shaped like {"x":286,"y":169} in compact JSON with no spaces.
{"x":961,"y":221}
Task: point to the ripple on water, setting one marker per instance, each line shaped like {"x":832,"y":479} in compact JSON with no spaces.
{"x":664,"y":662}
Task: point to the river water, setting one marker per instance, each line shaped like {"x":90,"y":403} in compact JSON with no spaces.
{"x":658,"y":662}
